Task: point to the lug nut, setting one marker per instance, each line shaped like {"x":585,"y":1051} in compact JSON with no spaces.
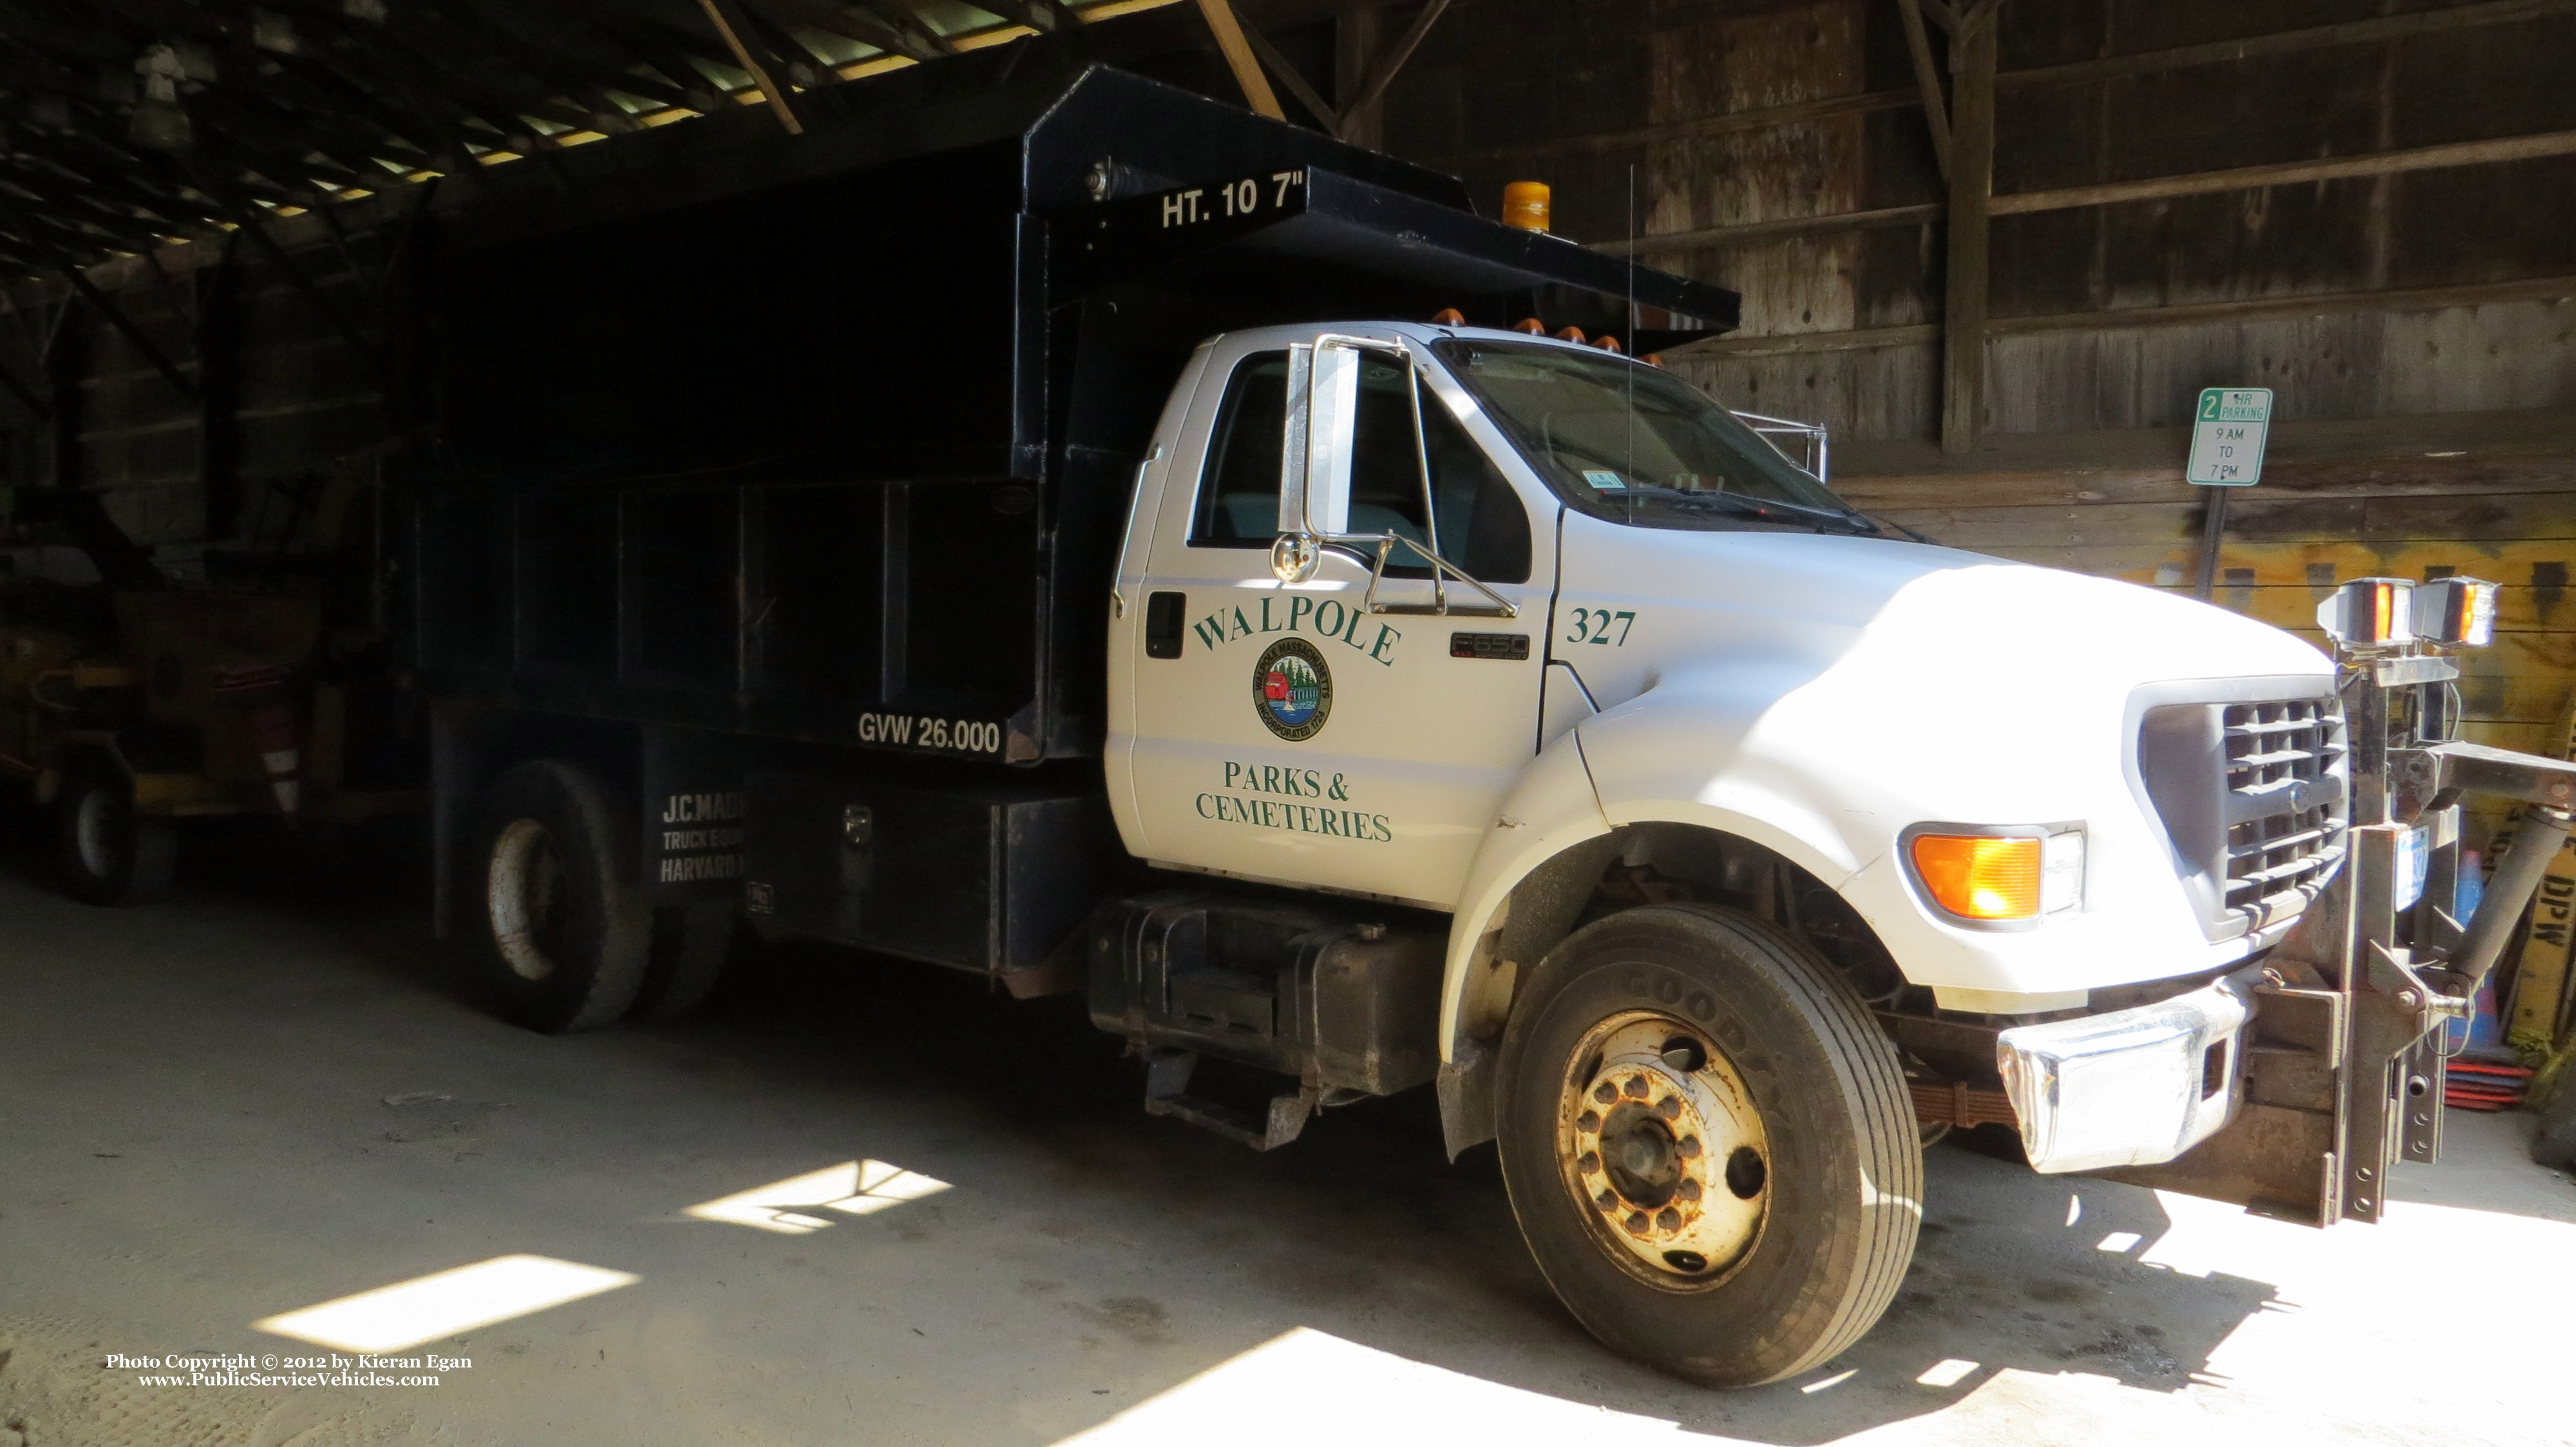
{"x":1668,"y":1219}
{"x":1637,"y":1086}
{"x":1690,"y":1147}
{"x":1606,"y":1093}
{"x":1670,"y":1107}
{"x":1588,"y":1122}
{"x":1588,"y":1162}
{"x":1606,"y":1201}
{"x":1688,"y":1190}
{"x":1637,"y":1223}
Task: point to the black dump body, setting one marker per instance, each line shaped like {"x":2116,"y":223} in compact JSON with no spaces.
{"x":832,"y":437}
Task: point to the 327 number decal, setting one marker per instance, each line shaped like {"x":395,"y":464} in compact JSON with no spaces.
{"x":1593,"y":626}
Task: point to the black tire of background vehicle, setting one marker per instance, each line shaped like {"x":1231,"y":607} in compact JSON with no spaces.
{"x":108,"y":853}
{"x":565,"y":929}
{"x":1845,"y":1166}
{"x":691,"y":943}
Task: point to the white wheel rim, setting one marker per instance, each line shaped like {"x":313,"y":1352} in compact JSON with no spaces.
{"x":1663,"y":1150}
{"x":523,"y":889}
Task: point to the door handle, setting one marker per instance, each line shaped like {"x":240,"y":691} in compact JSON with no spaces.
{"x":1164,"y":615}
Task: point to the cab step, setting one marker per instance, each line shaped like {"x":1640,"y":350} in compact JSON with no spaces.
{"x":1167,"y":1083}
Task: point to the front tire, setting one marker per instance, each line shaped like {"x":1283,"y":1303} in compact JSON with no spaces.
{"x":566,"y":930}
{"x":109,"y":854}
{"x":1709,"y":1144}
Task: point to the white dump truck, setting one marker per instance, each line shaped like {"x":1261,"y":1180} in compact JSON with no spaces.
{"x":1390,"y":703}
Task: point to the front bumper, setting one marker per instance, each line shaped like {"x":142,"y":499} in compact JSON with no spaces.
{"x":2132,"y":1088}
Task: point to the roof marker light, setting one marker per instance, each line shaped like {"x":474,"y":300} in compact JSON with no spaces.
{"x":1531,"y":325}
{"x":1448,"y":316}
{"x":1570,"y":334}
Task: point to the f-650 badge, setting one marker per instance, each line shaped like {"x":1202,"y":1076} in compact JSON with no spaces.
{"x":1292,"y":689}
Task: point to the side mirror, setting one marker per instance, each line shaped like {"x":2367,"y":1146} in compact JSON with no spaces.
{"x":1322,"y":418}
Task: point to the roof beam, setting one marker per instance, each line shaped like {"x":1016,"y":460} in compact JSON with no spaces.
{"x":1240,"y":59}
{"x":1382,"y":74}
{"x":731,"y":24}
{"x":106,"y":307}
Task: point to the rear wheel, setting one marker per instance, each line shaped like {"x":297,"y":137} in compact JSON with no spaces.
{"x":109,"y":854}
{"x":566,"y":930}
{"x":1708,"y":1144}
{"x":691,"y":943}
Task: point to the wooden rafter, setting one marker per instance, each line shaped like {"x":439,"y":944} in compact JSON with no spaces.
{"x":310,"y":99}
{"x":1221,"y":22}
{"x":730,"y":23}
{"x":1289,"y":76}
{"x":1382,"y":74}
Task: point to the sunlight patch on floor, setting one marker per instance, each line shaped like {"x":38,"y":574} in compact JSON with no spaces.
{"x":1305,"y":1387}
{"x":853,"y":1188}
{"x":426,"y":1308}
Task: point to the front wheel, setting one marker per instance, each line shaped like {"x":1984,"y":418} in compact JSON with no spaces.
{"x":109,"y":853}
{"x":1709,"y":1144}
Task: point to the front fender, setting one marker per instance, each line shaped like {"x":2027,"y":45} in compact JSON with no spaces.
{"x":1667,"y":756}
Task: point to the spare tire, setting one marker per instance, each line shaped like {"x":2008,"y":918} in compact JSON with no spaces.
{"x":566,"y":929}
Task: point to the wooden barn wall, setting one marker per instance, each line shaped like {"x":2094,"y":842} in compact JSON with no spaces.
{"x":1632,"y":111}
{"x":1612,"y":102}
{"x":284,"y":358}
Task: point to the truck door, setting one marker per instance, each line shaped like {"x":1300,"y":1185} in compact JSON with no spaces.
{"x":1286,"y":731}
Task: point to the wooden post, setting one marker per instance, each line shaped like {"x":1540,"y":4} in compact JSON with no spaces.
{"x":1972,"y":171}
{"x":1240,"y":59}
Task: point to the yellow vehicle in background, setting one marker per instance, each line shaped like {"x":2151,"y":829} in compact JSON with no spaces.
{"x":129,"y":703}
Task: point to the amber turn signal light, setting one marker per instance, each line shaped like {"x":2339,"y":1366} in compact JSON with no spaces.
{"x":1980,"y":877}
{"x":1525,"y":205}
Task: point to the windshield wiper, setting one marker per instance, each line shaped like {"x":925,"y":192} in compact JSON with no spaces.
{"x":1765,"y":510}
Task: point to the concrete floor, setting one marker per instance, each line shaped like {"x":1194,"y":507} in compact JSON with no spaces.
{"x":240,"y":1103}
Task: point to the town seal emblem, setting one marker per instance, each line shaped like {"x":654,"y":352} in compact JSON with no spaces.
{"x":1292,"y":689}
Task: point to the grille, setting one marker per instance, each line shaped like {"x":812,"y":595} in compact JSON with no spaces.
{"x":2253,"y":797}
{"x":2285,"y":803}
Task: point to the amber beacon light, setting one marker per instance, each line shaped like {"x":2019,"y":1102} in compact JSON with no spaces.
{"x":1525,"y":205}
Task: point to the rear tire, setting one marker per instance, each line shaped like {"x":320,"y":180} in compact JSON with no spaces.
{"x":691,"y":943}
{"x":1709,"y":1144}
{"x":565,"y":928}
{"x":109,"y":854}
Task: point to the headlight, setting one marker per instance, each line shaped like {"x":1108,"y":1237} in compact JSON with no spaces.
{"x":2000,"y":876}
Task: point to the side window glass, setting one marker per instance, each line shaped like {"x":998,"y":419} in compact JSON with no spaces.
{"x":1483,"y":527}
{"x":1238,"y":504}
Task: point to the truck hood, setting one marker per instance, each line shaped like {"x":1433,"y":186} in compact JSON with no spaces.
{"x":1822,"y":695}
{"x":1929,"y":623}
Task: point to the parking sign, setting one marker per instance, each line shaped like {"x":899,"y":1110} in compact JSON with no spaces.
{"x":2227,"y":434}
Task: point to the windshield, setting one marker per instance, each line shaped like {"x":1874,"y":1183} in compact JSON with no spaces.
{"x":1633,"y":444}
